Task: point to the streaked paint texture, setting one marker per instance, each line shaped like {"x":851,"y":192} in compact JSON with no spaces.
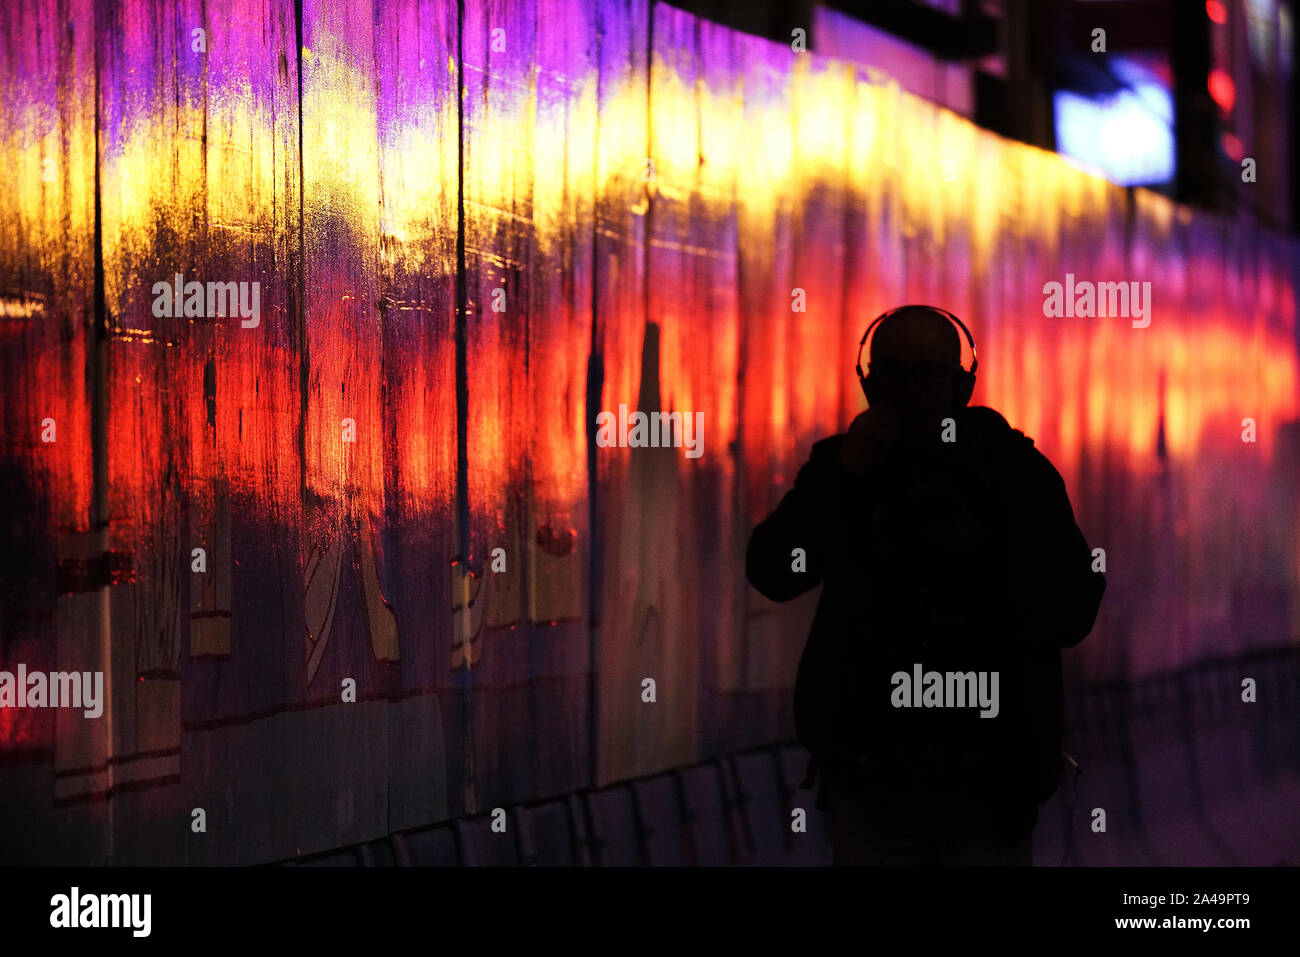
{"x":463,"y":252}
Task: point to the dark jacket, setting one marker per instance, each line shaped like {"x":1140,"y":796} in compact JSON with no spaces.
{"x":972,"y":562}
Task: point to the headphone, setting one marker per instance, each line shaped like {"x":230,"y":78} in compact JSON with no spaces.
{"x":965,"y":383}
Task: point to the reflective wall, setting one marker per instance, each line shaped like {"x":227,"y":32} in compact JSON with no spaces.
{"x":630,"y":206}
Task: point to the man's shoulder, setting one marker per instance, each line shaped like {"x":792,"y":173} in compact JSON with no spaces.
{"x":992,"y":427}
{"x":1011,"y":453}
{"x":989,"y":420}
{"x":828,"y":447}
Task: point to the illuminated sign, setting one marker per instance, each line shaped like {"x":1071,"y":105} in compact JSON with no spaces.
{"x":1127,"y":136}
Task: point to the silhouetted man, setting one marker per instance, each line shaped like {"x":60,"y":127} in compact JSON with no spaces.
{"x":953,"y":573}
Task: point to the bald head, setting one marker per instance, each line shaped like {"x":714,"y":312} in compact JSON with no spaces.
{"x":915,"y":361}
{"x":916,"y":334}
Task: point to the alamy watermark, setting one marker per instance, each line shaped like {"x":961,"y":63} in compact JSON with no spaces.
{"x":75,"y":909}
{"x":947,"y":689}
{"x":58,"y":689}
{"x":1098,"y":300}
{"x":651,"y":430}
{"x":181,"y":299}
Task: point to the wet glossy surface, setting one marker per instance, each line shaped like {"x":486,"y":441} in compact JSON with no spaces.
{"x":380,"y":222}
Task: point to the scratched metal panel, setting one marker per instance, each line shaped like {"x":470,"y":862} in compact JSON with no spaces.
{"x":708,"y":333}
{"x":498,"y":40}
{"x":151,"y":181}
{"x":1051,"y":377}
{"x":244,"y":408}
{"x":798,"y":318}
{"x":765,"y":252}
{"x":417,"y":535}
{"x":53,"y":589}
{"x":352,"y":630}
{"x":203,"y":184}
{"x":818,"y":354}
{"x":558,"y":531}
{"x":622,"y":202}
{"x":150,"y":96}
{"x":246,"y":491}
{"x":243,"y":412}
{"x":330,"y":559}
{"x":167,"y":440}
{"x":377,"y":184}
{"x":1211,"y":358}
{"x":671,"y":515}
{"x":770,"y":456}
{"x":646,"y":619}
{"x":344,"y":431}
{"x":153,"y":176}
{"x":816,"y":339}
